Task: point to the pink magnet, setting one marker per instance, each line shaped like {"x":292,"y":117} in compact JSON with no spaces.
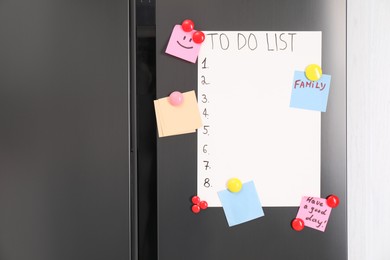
{"x":176,"y":98}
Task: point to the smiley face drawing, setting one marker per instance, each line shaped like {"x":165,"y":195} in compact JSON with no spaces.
{"x":189,"y":45}
{"x":185,"y":42}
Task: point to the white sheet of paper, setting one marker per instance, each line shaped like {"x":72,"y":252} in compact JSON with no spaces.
{"x":250,"y":132}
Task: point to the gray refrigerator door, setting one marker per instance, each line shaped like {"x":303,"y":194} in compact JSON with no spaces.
{"x":184,"y":235}
{"x":64,"y":159}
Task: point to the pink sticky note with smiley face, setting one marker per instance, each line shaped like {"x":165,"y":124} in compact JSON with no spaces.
{"x":182,"y":45}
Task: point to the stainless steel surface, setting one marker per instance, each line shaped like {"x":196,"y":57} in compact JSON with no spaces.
{"x":64,"y":162}
{"x":180,"y":232}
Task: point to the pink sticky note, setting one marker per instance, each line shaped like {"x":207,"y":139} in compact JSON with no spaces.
{"x":181,"y":45}
{"x":314,"y":212}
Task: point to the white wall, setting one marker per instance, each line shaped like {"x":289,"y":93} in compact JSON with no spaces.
{"x":368,"y":36}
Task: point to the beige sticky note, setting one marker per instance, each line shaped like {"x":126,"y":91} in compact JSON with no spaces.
{"x":157,"y":109}
{"x":176,"y":120}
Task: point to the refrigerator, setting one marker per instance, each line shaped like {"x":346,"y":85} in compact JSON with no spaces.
{"x":90,"y":167}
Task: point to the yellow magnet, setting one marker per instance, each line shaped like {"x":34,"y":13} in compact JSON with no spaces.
{"x":234,"y":185}
{"x":313,"y":72}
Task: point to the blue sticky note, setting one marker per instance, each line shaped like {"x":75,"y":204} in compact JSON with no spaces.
{"x":241,"y":206}
{"x":312,"y":95}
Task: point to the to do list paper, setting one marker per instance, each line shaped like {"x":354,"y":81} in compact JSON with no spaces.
{"x":249,"y":130}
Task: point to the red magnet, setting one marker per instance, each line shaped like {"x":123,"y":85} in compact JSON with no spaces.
{"x":198,"y":37}
{"x":195,"y":200}
{"x":203,"y":204}
{"x":198,"y":204}
{"x":195,"y":209}
{"x":298,"y":224}
{"x":176,"y":98}
{"x":332,"y":201}
{"x":187,"y":25}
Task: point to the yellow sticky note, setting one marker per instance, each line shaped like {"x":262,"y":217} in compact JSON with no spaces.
{"x":176,"y":120}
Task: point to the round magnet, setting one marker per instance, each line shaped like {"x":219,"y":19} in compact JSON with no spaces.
{"x":195,"y":209}
{"x":187,"y":25}
{"x":313,"y":72}
{"x":198,"y":37}
{"x":297,"y":224}
{"x":203,"y":204}
{"x":332,"y":201}
{"x":176,"y":98}
{"x":234,"y":185}
{"x":195,"y":200}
